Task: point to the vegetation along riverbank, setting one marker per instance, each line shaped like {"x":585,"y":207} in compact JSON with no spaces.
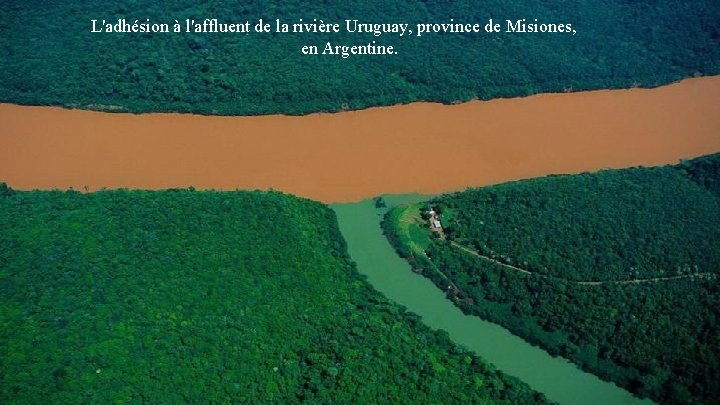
{"x":187,"y":296}
{"x":615,"y":270}
{"x":618,"y":44}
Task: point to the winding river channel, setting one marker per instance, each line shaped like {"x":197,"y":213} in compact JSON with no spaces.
{"x":557,"y":378}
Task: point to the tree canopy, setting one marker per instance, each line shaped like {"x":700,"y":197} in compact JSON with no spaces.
{"x":50,"y":56}
{"x":615,"y":270}
{"x":186,"y":296}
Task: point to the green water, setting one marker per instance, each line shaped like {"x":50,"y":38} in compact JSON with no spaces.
{"x":558,"y":379}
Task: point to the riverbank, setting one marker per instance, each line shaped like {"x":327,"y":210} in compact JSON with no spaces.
{"x":349,"y":156}
{"x":558,"y":379}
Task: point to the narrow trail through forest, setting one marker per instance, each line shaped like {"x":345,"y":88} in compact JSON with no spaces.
{"x":592,"y":283}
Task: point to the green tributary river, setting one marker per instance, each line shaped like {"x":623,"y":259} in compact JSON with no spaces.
{"x":557,"y":378}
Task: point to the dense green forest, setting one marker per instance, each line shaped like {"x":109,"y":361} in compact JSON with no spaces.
{"x":616,"y":270}
{"x":183,"y":296}
{"x":48,"y":54}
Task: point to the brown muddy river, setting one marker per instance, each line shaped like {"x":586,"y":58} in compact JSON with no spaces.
{"x":422,"y":147}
